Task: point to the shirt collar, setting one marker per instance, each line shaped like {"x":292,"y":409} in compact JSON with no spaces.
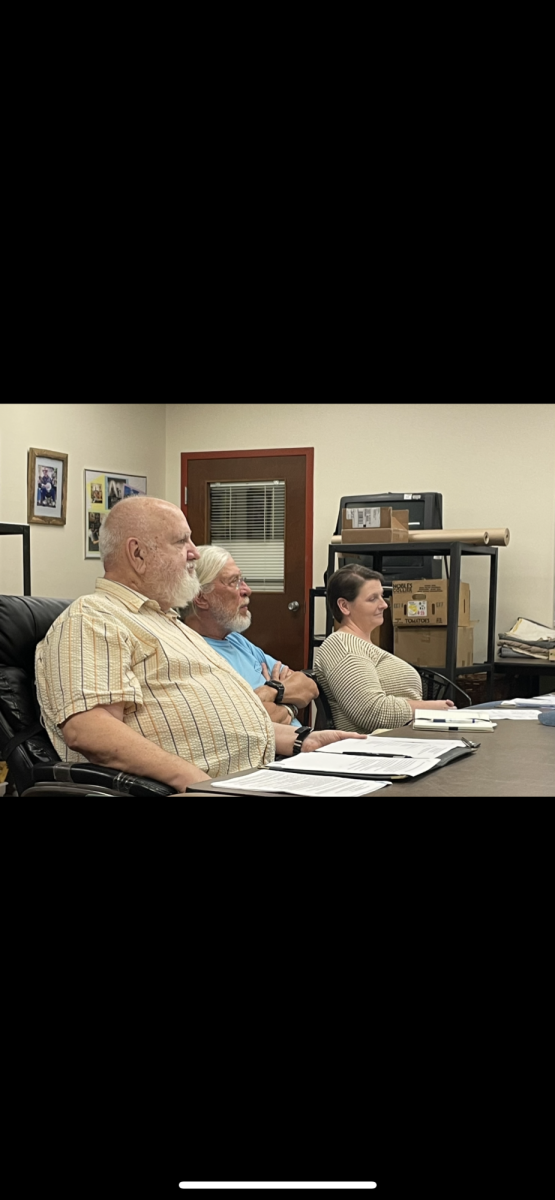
{"x":132,"y":600}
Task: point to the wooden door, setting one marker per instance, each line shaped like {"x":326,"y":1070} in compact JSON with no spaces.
{"x":278,"y":629}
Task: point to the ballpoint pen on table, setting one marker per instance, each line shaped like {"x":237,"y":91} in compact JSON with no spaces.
{"x":357,"y":753}
{"x":442,"y":720}
{"x":482,"y":728}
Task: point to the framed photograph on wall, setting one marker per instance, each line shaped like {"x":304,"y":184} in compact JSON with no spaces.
{"x":46,"y":487}
{"x":103,"y":489}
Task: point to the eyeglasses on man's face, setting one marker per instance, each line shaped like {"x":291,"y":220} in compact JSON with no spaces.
{"x":236,"y":582}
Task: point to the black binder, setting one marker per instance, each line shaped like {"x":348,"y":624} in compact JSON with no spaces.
{"x":445,"y":758}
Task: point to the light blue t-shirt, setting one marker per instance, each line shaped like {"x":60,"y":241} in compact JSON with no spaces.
{"x":245,"y":658}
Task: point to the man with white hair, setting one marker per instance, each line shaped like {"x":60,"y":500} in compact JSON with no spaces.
{"x":220,"y":612}
{"x":122,"y":682}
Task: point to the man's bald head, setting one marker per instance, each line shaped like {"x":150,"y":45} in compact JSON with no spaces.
{"x":137,"y":516}
{"x":145,"y":543}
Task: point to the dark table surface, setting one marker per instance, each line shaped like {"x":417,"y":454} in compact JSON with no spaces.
{"x":516,"y":759}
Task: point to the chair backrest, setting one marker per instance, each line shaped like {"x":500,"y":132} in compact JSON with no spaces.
{"x":24,"y":621}
{"x":438,"y":687}
{"x":324,"y":719}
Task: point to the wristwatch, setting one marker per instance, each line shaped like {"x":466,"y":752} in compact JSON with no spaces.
{"x":274,"y":683}
{"x":302,"y":733}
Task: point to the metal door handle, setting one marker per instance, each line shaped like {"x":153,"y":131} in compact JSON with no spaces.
{"x":293,"y":606}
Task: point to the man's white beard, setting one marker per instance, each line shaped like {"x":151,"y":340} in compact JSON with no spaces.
{"x":232,"y":624}
{"x":239,"y":623}
{"x":185,"y":590}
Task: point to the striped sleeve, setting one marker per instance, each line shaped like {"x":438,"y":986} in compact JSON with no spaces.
{"x":87,"y":661}
{"x":362,"y":695}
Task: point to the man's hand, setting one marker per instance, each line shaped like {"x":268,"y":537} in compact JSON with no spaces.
{"x":299,"y":688}
{"x":323,"y":737}
{"x":280,"y":671}
{"x":286,"y":738}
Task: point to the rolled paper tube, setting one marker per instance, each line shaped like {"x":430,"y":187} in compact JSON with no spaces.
{"x":499,"y":537}
{"x":473,"y":537}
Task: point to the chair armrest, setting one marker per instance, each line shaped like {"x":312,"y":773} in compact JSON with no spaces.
{"x":90,"y":773}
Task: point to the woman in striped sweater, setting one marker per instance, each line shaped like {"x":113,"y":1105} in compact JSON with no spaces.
{"x":367,"y":688}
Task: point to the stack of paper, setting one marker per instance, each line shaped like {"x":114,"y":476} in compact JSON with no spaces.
{"x":350,"y":763}
{"x":297,"y":784}
{"x":437,"y":720}
{"x":376,"y":757}
{"x":510,"y":714}
{"x":546,"y":701}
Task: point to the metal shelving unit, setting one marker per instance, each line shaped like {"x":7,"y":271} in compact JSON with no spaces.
{"x":453,"y":550}
{"x":24,"y":530}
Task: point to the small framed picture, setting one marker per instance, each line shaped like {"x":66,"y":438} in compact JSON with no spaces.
{"x":46,"y":487}
{"x":104,"y":489}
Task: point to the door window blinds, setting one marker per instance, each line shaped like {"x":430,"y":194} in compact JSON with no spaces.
{"x":248,"y":519}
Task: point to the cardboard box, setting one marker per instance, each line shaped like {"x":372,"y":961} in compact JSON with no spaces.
{"x":375,"y":525}
{"x":424,"y":602}
{"x":382,"y":635}
{"x":428,"y":647}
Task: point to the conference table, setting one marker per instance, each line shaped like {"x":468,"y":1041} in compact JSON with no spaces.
{"x":516,"y":759}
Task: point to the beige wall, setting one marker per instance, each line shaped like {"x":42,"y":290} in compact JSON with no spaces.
{"x":494,"y":465}
{"x":113,"y":437}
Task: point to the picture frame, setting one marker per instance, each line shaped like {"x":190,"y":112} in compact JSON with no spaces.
{"x":104,"y":489}
{"x":46,"y":487}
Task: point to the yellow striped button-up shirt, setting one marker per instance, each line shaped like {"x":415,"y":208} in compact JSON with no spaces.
{"x":117,"y":645}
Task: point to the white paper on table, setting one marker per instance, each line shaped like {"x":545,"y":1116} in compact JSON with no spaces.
{"x":302,"y":785}
{"x":548,"y":700}
{"x":413,"y":747}
{"x":453,"y":716}
{"x":335,"y":1186}
{"x":356,"y":764}
{"x":517,"y":714}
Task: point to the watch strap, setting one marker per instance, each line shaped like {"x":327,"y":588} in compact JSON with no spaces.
{"x":302,"y":733}
{"x":279,"y":688}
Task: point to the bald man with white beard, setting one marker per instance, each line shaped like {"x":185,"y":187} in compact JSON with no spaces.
{"x":122,"y":682}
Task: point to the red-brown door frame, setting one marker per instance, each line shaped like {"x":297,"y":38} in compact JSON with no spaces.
{"x":308,"y":452}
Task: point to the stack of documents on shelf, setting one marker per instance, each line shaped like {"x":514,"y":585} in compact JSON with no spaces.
{"x":438,"y":720}
{"x":530,"y":639}
{"x":388,"y":758}
{"x":546,"y":701}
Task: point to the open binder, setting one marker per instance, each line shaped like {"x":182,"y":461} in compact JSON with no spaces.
{"x":309,"y":763}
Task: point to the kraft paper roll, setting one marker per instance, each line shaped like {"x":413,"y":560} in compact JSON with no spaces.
{"x":499,"y":537}
{"x":473,"y":537}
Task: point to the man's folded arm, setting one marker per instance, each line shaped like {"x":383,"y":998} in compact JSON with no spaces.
{"x":102,"y":737}
{"x":299,"y":689}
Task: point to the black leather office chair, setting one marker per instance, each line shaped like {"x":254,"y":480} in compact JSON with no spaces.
{"x":34,"y":766}
{"x":438,"y":687}
{"x":324,"y":719}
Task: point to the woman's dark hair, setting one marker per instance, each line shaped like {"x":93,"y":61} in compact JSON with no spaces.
{"x":347,"y":582}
